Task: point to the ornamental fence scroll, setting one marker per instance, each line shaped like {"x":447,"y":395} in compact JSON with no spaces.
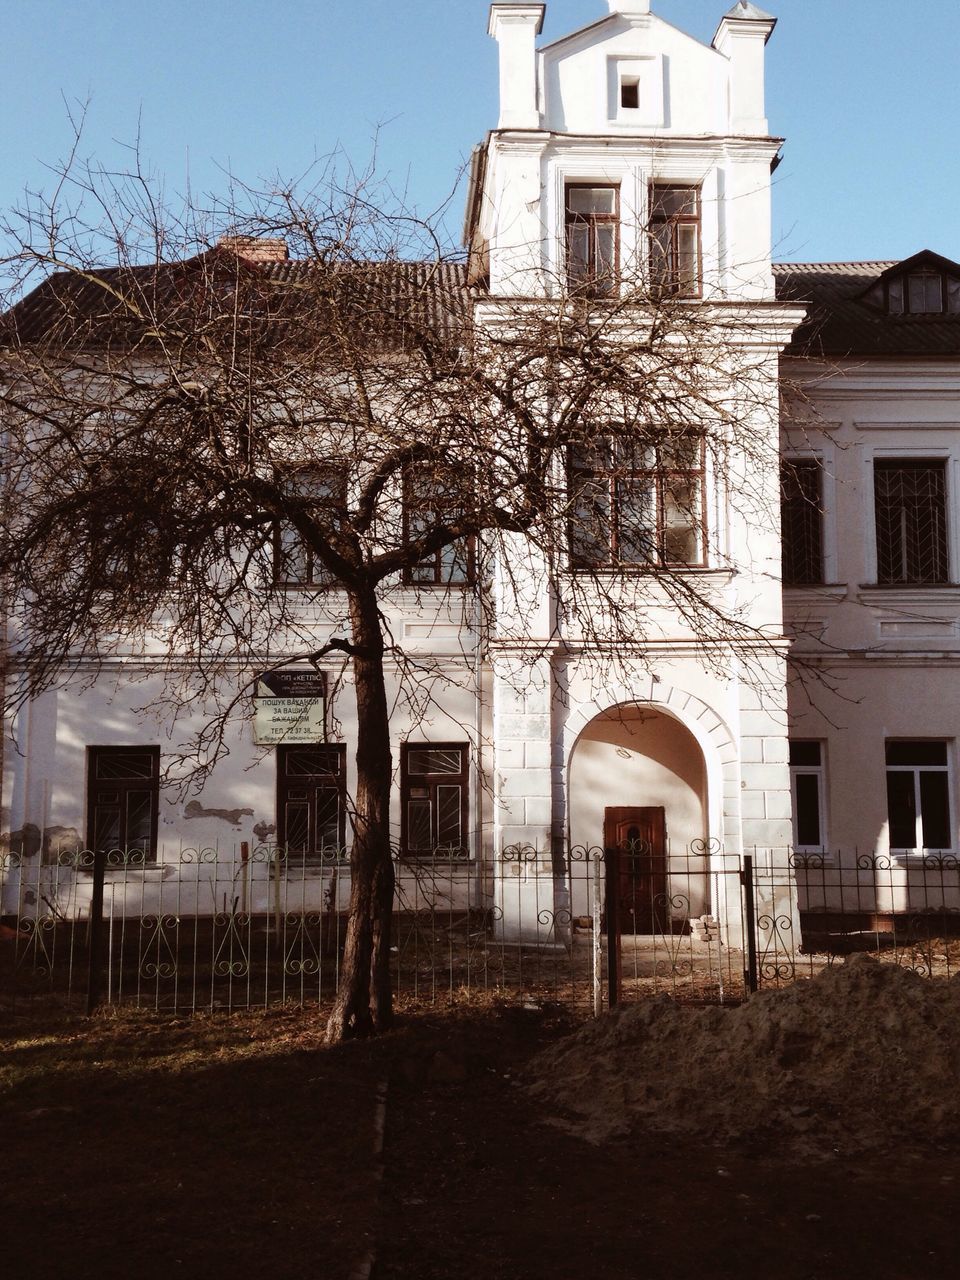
{"x":216,"y":928}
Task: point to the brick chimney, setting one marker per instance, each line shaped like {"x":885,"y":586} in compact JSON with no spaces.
{"x":255,"y":248}
{"x":515,"y":28}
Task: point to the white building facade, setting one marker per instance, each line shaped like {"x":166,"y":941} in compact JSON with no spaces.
{"x":624,"y":134}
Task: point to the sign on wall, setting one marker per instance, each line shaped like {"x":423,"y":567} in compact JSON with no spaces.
{"x":289,"y":708}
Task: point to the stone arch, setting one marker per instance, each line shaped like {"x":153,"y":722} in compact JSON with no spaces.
{"x":706,"y":726}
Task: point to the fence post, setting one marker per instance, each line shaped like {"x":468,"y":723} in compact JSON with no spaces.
{"x":614,"y":973}
{"x":750,"y":911}
{"x":597,"y":942}
{"x":95,"y":959}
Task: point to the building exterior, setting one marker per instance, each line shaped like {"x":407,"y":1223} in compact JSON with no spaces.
{"x":623,"y":151}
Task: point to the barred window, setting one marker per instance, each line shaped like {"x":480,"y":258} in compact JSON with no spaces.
{"x":801,"y":505}
{"x":311,"y":803}
{"x":911,"y":518}
{"x":123,"y":792}
{"x":434,"y":794}
{"x":637,"y":502}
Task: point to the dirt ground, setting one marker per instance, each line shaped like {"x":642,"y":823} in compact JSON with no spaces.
{"x":236,"y":1145}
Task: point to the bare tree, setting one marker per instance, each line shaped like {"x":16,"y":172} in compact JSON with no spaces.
{"x":301,"y":386}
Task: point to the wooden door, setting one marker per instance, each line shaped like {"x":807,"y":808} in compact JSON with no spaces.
{"x":640,"y":837}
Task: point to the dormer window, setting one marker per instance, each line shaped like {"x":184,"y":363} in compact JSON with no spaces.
{"x":922,"y":291}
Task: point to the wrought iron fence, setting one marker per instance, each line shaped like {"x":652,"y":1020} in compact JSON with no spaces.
{"x":216,"y":928}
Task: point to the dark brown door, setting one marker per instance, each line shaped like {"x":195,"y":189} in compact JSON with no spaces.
{"x":640,"y":838}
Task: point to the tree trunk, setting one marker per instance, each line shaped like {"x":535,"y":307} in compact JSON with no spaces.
{"x":364,"y":1001}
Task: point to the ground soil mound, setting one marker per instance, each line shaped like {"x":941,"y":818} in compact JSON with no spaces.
{"x":862,"y":1057}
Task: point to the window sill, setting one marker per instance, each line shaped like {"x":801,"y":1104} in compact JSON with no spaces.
{"x":908,"y":593}
{"x":820,"y":591}
{"x":649,"y":571}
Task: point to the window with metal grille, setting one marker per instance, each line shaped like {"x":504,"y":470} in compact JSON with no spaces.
{"x":637,"y":502}
{"x":911,"y":518}
{"x":918,"y":795}
{"x":434,"y":794}
{"x":807,"y":788}
{"x":801,"y":506}
{"x":675,"y":239}
{"x":311,"y":804}
{"x":295,"y":562}
{"x":123,"y":793}
{"x":592,"y":219}
{"x":434,"y":496}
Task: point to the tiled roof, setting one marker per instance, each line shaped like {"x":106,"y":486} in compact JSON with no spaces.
{"x":841,"y":321}
{"x":114,"y":306}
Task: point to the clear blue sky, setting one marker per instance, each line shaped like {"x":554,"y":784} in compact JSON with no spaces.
{"x":866,"y":92}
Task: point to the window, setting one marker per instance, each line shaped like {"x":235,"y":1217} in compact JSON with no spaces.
{"x":918,"y":795}
{"x":675,"y":238}
{"x":593,"y":238}
{"x":630,"y":92}
{"x":434,"y":794}
{"x":923,"y":293}
{"x":295,"y":564}
{"x":911,"y":516}
{"x":807,"y":791}
{"x":433,"y":496}
{"x":311,"y":803}
{"x":801,"y":507}
{"x":637,"y":503}
{"x":123,"y":793}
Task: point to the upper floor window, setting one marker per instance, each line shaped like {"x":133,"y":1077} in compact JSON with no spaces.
{"x":910,"y":498}
{"x":434,"y":799}
{"x":432,"y":497}
{"x":123,"y":794}
{"x":801,"y":506}
{"x":592,"y":220}
{"x":295,"y":562}
{"x":638,"y":503}
{"x":923,"y":292}
{"x":675,"y":238}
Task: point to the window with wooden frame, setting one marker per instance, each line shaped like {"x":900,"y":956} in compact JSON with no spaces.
{"x":592,"y":226}
{"x":923,"y":293}
{"x":295,"y":563}
{"x":675,"y":239}
{"x":433,"y":495}
{"x":910,"y":506}
{"x":123,"y":796}
{"x":918,"y":795}
{"x":638,"y":503}
{"x":312,"y":804}
{"x":801,"y":510}
{"x":435,"y":793}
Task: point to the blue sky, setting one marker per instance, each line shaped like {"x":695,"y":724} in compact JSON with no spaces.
{"x":866,"y":92}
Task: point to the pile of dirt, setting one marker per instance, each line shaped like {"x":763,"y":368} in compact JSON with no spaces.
{"x":862,"y":1057}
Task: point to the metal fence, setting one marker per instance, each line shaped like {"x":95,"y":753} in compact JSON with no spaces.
{"x":249,"y":927}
